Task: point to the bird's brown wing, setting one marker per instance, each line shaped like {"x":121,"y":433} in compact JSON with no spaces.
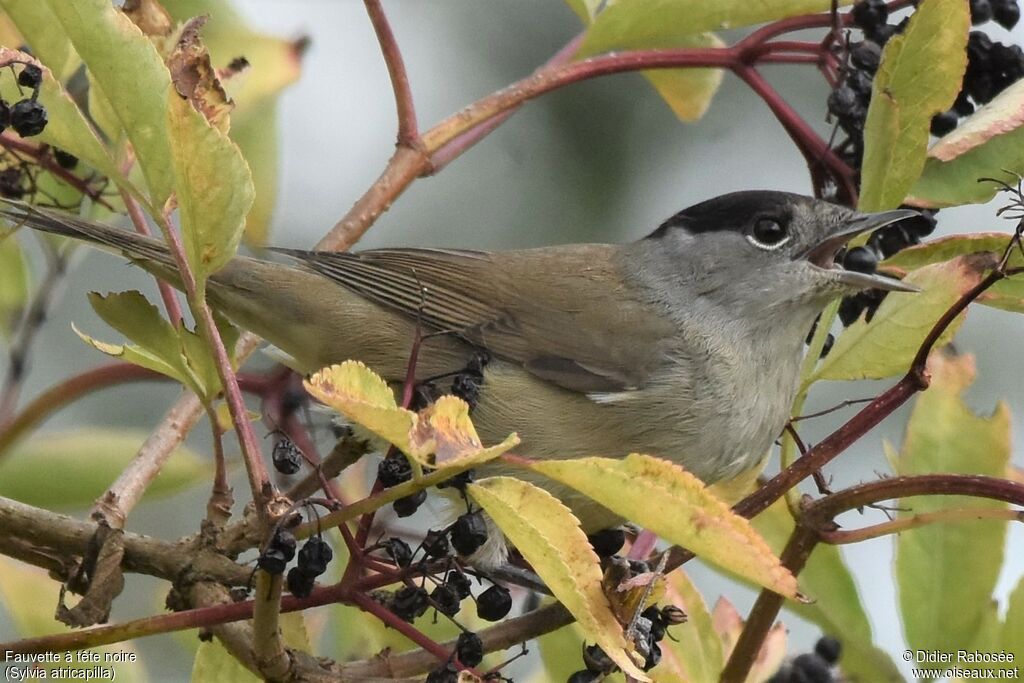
{"x":550,"y":309}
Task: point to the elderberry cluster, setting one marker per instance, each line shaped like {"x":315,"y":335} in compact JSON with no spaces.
{"x":395,"y":469}
{"x":26,"y":116}
{"x":652,"y":626}
{"x":314,"y":556}
{"x":811,"y":667}
{"x":451,"y":585}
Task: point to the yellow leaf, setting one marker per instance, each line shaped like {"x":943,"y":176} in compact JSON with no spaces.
{"x":549,"y":537}
{"x":663,"y":497}
{"x":440,"y":436}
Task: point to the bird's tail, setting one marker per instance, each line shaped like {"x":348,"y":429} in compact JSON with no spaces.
{"x":150,"y":253}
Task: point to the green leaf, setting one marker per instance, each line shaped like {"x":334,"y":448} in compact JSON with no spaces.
{"x":130,"y":74}
{"x":214,"y":663}
{"x":14,"y":284}
{"x":35,"y":22}
{"x":919,"y":77}
{"x":586,"y":10}
{"x":215,"y":188}
{"x":695,"y":650}
{"x":178,"y":353}
{"x":1006,"y":294}
{"x":887,"y":345}
{"x":72,"y":469}
{"x":837,"y":609}
{"x":987,"y":144}
{"x":274,"y":65}
{"x":646,"y":22}
{"x":254,"y":131}
{"x":1012,"y":639}
{"x":158,"y":345}
{"x":962,"y":559}
{"x":553,"y":648}
{"x":687,"y":91}
{"x":550,"y":539}
{"x":664,"y":498}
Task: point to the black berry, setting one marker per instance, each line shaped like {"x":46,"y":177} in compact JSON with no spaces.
{"x":286,"y":455}
{"x":458,"y":582}
{"x":607,"y":542}
{"x":11,"y":184}
{"x":459,"y":481}
{"x":597,"y":660}
{"x":468,"y":533}
{"x":445,"y":600}
{"x":31,"y":76}
{"x":409,"y":602}
{"x":869,"y":14}
{"x":64,"y":159}
{"x":943,"y":123}
{"x":300,"y":584}
{"x":1006,"y":13}
{"x":398,"y":550}
{"x":494,"y":603}
{"x":469,"y":648}
{"x":5,"y":115}
{"x":828,"y":648}
{"x":393,"y":471}
{"x":28,"y":118}
{"x":446,"y":674}
{"x":435,"y":544}
{"x":583,"y":676}
{"x":273,"y":561}
{"x":866,"y":55}
{"x":653,"y":656}
{"x":653,"y":614}
{"x":406,"y":507}
{"x":981,"y":11}
{"x":813,"y":669}
{"x":830,"y":340}
{"x":314,"y":556}
{"x":861,"y":259}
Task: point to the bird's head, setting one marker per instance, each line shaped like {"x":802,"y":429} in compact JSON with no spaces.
{"x":765,"y":249}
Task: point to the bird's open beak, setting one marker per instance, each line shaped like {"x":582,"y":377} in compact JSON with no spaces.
{"x":823,"y":254}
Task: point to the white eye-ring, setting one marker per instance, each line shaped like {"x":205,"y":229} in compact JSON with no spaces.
{"x":768,"y":234}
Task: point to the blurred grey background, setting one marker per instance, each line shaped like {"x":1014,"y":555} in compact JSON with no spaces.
{"x":604,"y":160}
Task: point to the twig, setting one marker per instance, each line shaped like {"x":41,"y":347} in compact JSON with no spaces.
{"x":895,"y":526}
{"x":268,"y":648}
{"x":167,"y":293}
{"x":41,"y":156}
{"x":67,"y":392}
{"x":31,"y":322}
{"x":259,"y":478}
{"x":408,"y":134}
{"x":766,"y":609}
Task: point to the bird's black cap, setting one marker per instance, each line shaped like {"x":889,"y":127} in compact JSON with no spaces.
{"x":732,"y":211}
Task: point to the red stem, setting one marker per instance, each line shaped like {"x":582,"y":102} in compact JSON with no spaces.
{"x":408,"y":134}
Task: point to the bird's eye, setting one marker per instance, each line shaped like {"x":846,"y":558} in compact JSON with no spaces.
{"x":768,"y":233}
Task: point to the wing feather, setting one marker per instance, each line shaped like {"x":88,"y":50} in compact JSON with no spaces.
{"x":549,"y":309}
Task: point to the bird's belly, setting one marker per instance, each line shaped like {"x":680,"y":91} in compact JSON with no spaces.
{"x":711,"y":438}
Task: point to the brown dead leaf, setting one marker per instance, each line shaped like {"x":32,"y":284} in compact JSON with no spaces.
{"x":194,"y":77}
